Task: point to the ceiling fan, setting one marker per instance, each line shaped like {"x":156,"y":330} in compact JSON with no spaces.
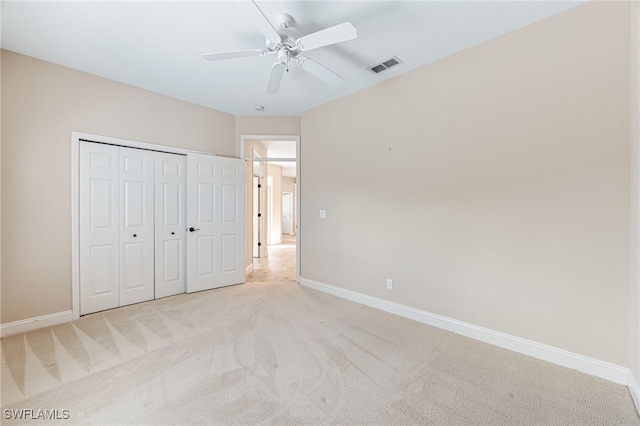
{"x":286,"y":48}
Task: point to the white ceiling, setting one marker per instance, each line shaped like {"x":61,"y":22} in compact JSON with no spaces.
{"x":157,"y":45}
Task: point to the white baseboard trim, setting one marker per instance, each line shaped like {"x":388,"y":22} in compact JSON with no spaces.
{"x":35,"y":323}
{"x":248,"y":269}
{"x":635,"y":390}
{"x":592,"y":366}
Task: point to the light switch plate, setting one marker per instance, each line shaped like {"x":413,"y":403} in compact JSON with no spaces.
{"x":323,"y":214}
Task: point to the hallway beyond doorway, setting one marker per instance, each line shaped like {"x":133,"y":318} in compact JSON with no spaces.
{"x":279,"y":266}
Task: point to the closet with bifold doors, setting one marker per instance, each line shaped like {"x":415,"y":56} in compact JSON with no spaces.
{"x":132,"y":212}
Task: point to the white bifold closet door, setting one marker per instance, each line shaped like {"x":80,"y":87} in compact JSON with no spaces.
{"x":99,"y":227}
{"x":170,"y":212}
{"x":136,"y":226}
{"x":155,"y":224}
{"x":116,"y":226}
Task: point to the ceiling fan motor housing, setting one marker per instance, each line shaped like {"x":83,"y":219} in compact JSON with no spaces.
{"x":285,"y":41}
{"x":285,"y":20}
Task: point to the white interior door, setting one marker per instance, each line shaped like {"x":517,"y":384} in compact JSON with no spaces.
{"x":136,"y":226}
{"x":170,"y":224}
{"x":99,"y":227}
{"x":215,"y":222}
{"x":286,"y":213}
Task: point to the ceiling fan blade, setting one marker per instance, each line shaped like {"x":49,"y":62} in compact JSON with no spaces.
{"x":320,"y":71}
{"x":231,"y":55}
{"x":336,"y":34}
{"x":266,"y":26}
{"x":277,"y":71}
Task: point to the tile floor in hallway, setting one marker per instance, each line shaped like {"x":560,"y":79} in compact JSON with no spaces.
{"x":279,"y":266}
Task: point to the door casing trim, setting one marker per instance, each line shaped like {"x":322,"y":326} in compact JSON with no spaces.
{"x":296,"y":139}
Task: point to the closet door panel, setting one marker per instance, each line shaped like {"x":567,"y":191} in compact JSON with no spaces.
{"x":136,"y":183}
{"x":170,"y":228}
{"x":99,"y":227}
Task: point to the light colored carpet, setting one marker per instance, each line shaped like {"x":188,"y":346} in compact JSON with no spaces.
{"x":279,"y":353}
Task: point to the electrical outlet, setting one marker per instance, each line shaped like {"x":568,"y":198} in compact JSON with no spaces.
{"x":389,"y":283}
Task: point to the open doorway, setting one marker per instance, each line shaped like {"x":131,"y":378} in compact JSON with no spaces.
{"x":273,"y":228}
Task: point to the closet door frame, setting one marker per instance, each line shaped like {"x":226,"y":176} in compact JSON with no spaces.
{"x":76,"y":138}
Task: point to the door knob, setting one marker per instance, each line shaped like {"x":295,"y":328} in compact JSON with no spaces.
{"x":135,"y":235}
{"x":173,"y":233}
{"x":192,"y":229}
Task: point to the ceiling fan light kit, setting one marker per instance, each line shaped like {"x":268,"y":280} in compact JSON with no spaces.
{"x":286,"y":48}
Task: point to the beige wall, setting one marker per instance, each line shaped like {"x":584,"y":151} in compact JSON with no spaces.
{"x":288,"y":184}
{"x":0,"y":186}
{"x":492,"y":186}
{"x":635,"y":189}
{"x":42,"y":104}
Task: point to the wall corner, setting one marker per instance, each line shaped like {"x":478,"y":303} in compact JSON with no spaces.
{"x":634,"y":144}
